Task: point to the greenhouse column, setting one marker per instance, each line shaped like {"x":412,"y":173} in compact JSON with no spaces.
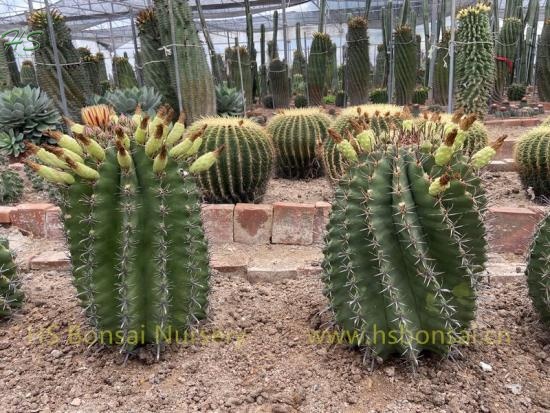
{"x":56,"y":60}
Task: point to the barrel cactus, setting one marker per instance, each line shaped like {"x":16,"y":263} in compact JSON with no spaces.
{"x":475,"y":59}
{"x":244,"y":168}
{"x":405,"y":244}
{"x":358,"y":61}
{"x":11,"y":296}
{"x":317,"y":67}
{"x":132,"y":216}
{"x":542,"y":67}
{"x":538,"y":270}
{"x":405,"y":65}
{"x":533,"y":162}
{"x":28,"y":76}
{"x":297,"y":135}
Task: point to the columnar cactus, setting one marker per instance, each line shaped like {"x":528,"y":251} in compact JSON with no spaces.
{"x":240,"y":54}
{"x":475,"y":59}
{"x":197,"y":84}
{"x":263,"y":69}
{"x":380,"y":66}
{"x":11,"y":296}
{"x":244,"y":168}
{"x":13,"y":69}
{"x":5,"y":78}
{"x":278,"y":80}
{"x":297,"y":134}
{"x":28,"y":76}
{"x":75,"y":77}
{"x":125,"y":77}
{"x":155,"y":70}
{"x":405,"y":65}
{"x":358,"y":61}
{"x":533,"y":160}
{"x":317,"y":67}
{"x":132,"y":215}
{"x":441,"y":71}
{"x":542,"y":66}
{"x":299,"y":61}
{"x":91,"y":65}
{"x":405,"y":244}
{"x":505,"y":49}
{"x":538,"y":270}
{"x":102,"y":73}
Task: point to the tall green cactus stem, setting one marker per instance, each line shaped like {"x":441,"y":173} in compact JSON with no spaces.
{"x":317,"y":67}
{"x":297,"y":134}
{"x":278,"y":79}
{"x":405,"y":65}
{"x":272,"y":46}
{"x":102,"y":73}
{"x":138,"y":250}
{"x":235,"y":71}
{"x":331,"y":77}
{"x":401,"y":258}
{"x":263,"y":69}
{"x":380,"y":66}
{"x":524,"y":74}
{"x":441,"y":71}
{"x":125,"y":76}
{"x":475,"y":60}
{"x":532,"y":155}
{"x":505,"y":50}
{"x":28,"y":75}
{"x":244,"y":168}
{"x":299,"y":61}
{"x":196,"y":81}
{"x":91,"y":65}
{"x":5,"y":78}
{"x":542,"y":67}
{"x":11,"y":296}
{"x":538,"y":270}
{"x":358,"y":62}
{"x":155,"y":70}
{"x":12,"y":66}
{"x":75,"y":77}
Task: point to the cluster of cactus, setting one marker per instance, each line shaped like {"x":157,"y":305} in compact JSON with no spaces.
{"x":297,"y":134}
{"x":317,"y":67}
{"x":379,"y":96}
{"x":91,"y":64}
{"x":405,"y":242}
{"x":516,"y":91}
{"x":229,"y":101}
{"x":75,"y":78}
{"x":475,"y":59}
{"x":405,"y":65}
{"x":196,"y":81}
{"x":533,"y":160}
{"x":358,"y":61}
{"x":542,"y":68}
{"x":11,"y":296}
{"x":506,"y":46}
{"x":125,"y":77}
{"x":11,"y":184}
{"x":102,"y":73}
{"x":238,"y":61}
{"x":243,"y":170}
{"x":28,"y":75}
{"x":538,"y":270}
{"x":132,"y":216}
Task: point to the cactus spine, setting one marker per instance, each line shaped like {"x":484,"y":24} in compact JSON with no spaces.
{"x":506,"y":48}
{"x":543,"y":63}
{"x":296,"y":134}
{"x":317,"y":67}
{"x":11,"y":296}
{"x":532,"y":155}
{"x":197,"y":84}
{"x":474,"y":81}
{"x":244,"y":168}
{"x":538,"y":270}
{"x":358,"y":62}
{"x":405,"y":65}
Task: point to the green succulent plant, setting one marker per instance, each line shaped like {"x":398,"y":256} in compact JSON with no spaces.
{"x":300,"y":101}
{"x":229,"y":101}
{"x":126,"y":100}
{"x":516,"y":91}
{"x":11,"y":184}
{"x":11,"y":296}
{"x":12,"y":143}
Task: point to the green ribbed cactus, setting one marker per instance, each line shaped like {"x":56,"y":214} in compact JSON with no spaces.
{"x":380,"y":66}
{"x":11,"y":296}
{"x":5,"y":78}
{"x":235,"y":71}
{"x":297,"y":134}
{"x":263,"y":69}
{"x":91,"y":65}
{"x":132,"y":216}
{"x":299,"y":65}
{"x":505,"y":49}
{"x":13,"y":70}
{"x":75,"y":77}
{"x":197,"y":83}
{"x":317,"y":67}
{"x":278,"y":80}
{"x":538,"y":270}
{"x":28,"y":76}
{"x":331,"y":77}
{"x":124,"y":74}
{"x":102,"y":73}
{"x":155,"y":70}
{"x":474,"y":82}
{"x":404,"y":246}
{"x":477,"y":137}
{"x":542,"y":67}
{"x":532,"y":155}
{"x":358,"y":62}
{"x":405,"y":65}
{"x":441,"y":71}
{"x":244,"y":168}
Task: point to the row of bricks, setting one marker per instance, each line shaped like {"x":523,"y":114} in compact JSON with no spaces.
{"x":510,"y":229}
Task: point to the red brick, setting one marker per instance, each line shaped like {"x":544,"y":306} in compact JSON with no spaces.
{"x":320,"y":221}
{"x":293,"y":223}
{"x":5,"y":214}
{"x":525,"y":122}
{"x":218,"y":222}
{"x":50,"y":260}
{"x":252,"y":223}
{"x":511,"y":229}
{"x":31,"y":218}
{"x":54,"y":224}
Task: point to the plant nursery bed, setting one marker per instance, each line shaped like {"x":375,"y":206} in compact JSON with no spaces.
{"x":261,"y":351}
